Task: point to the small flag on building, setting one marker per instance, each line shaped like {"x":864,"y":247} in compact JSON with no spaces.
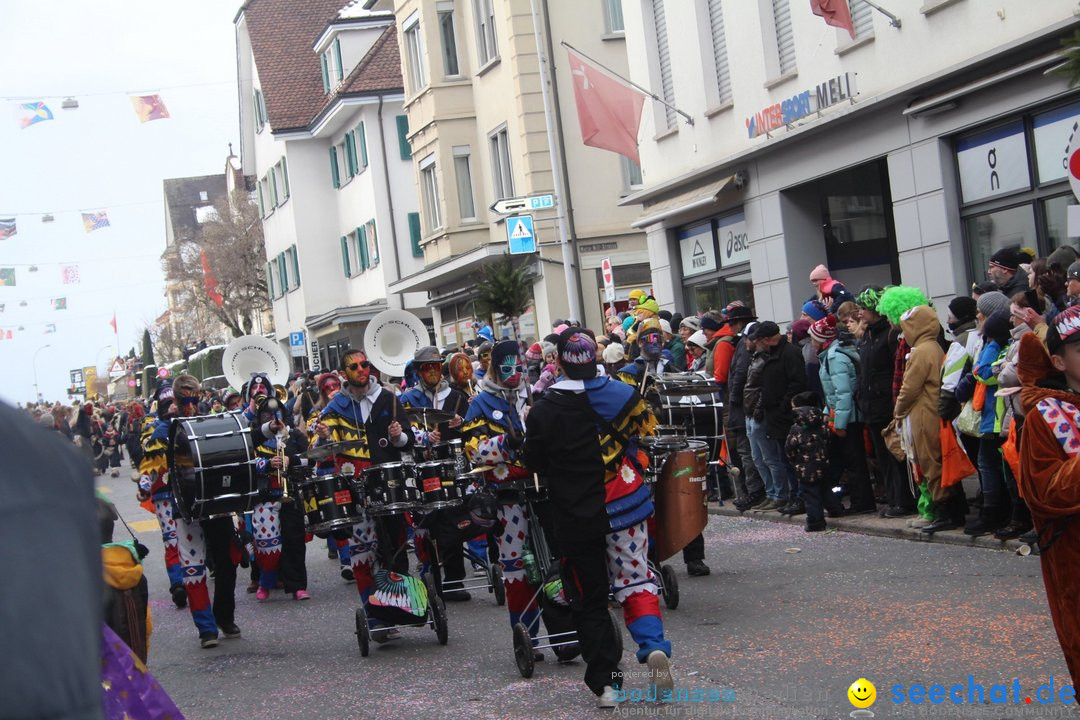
{"x":33,"y":113}
{"x":59,"y":303}
{"x":835,"y":12}
{"x":50,"y":328}
{"x":7,"y":276}
{"x":609,"y":112}
{"x":95,"y":221}
{"x":112,"y":322}
{"x":70,"y":274}
{"x":7,"y":228}
{"x":149,"y":107}
{"x":210,"y":282}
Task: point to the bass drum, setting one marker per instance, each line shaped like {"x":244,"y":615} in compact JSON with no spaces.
{"x":212,"y":466}
{"x":681,"y":514}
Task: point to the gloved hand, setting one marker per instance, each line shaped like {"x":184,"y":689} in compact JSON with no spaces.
{"x":514,"y":441}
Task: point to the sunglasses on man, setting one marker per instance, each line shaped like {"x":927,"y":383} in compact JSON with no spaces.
{"x":189,"y":401}
{"x":356,"y":366}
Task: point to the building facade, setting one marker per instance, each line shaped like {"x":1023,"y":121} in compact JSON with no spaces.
{"x":323,"y":132}
{"x":478,"y":133}
{"x":909,"y":153}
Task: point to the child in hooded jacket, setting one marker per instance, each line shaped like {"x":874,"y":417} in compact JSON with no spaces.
{"x":806,"y":448}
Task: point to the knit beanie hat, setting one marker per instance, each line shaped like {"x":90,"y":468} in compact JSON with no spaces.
{"x":648,"y":305}
{"x":1008,"y":258}
{"x":577,"y":354}
{"x":547,"y":348}
{"x":814,"y":309}
{"x":698,"y":338}
{"x":693,"y":322}
{"x":997,"y":326}
{"x":962,"y":308}
{"x":1064,"y":329}
{"x":712,"y":321}
{"x":534,"y":354}
{"x":613,"y":353}
{"x":1063,"y":257}
{"x":820,"y":273}
{"x":800,"y":330}
{"x":991,"y":302}
{"x":824,"y":330}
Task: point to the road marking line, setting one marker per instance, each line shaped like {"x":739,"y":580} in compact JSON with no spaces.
{"x":144,"y":525}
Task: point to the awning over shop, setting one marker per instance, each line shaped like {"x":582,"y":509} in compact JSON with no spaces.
{"x":445,"y":273}
{"x":701,"y":197}
{"x":344,"y":315}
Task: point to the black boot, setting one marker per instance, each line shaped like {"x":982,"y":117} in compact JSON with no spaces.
{"x":989,"y":520}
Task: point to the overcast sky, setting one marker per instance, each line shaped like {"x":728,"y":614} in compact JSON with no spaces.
{"x":99,"y":157}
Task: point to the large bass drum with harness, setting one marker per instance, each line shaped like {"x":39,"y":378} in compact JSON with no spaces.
{"x":212,"y":466}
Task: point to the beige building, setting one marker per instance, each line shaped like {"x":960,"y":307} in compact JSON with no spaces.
{"x":478,"y":132}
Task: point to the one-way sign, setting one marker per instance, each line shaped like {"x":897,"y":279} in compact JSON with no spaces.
{"x":509,"y":206}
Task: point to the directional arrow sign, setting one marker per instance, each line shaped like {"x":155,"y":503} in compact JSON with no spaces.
{"x":509,"y":206}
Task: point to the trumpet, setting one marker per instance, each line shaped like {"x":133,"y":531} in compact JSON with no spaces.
{"x":282,"y":472}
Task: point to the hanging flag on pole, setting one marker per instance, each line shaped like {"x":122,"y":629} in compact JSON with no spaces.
{"x":33,"y":113}
{"x":112,"y":322}
{"x":7,"y":228}
{"x":95,"y":221}
{"x":70,"y":274}
{"x":835,"y":12}
{"x":149,"y":107}
{"x":609,"y":111}
{"x":210,"y":282}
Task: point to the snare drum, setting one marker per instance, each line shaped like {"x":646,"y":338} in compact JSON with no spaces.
{"x":436,"y":480}
{"x":390,"y":488}
{"x":331,"y":502}
{"x":658,"y":448}
{"x":212,"y":466}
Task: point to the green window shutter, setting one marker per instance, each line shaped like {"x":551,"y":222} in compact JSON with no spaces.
{"x":325,"y":74}
{"x":270,"y":281}
{"x":337,"y":60}
{"x":345,"y":256}
{"x":334,"y":176}
{"x":273,"y":188}
{"x":361,"y":241}
{"x":262,"y":108}
{"x":350,"y":154}
{"x":285,"y":176}
{"x":262,"y":202}
{"x":363,"y":145}
{"x":258,"y":114}
{"x":403,"y":137}
{"x":283,"y":274}
{"x":374,"y":243}
{"x":414,"y":234}
{"x":296,"y":265}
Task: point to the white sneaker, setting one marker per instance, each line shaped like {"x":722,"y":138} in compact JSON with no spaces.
{"x":918,"y":522}
{"x":608,"y":699}
{"x":660,"y":669}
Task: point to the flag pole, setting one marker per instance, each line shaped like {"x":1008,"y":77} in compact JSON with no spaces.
{"x":893,"y":20}
{"x":628,"y":81}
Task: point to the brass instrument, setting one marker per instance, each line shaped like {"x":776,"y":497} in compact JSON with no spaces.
{"x":282,"y":473}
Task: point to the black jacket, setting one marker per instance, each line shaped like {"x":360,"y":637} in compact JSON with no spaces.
{"x":783,"y":376}
{"x":733,"y":402}
{"x":877,"y":353}
{"x":1017,"y":283}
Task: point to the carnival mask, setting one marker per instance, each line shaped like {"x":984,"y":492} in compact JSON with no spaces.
{"x":485,"y":360}
{"x":461,"y":371}
{"x":509,"y":372}
{"x":330,"y":387}
{"x":651,"y":345}
{"x":431,"y":374}
{"x":358,"y":370}
{"x":259,"y":388}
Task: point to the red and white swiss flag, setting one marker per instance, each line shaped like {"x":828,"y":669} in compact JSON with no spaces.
{"x":609,"y":112}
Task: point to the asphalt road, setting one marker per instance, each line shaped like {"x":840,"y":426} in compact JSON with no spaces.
{"x":785,"y":623}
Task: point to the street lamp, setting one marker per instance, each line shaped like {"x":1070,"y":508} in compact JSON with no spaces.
{"x":37,"y":392}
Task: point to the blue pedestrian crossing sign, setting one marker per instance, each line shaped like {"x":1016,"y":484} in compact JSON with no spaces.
{"x":520,"y":234}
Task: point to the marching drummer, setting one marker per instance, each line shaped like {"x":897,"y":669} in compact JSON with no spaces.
{"x":369,"y":419}
{"x":434,"y":392}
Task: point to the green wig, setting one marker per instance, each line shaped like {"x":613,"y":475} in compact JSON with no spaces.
{"x":896,"y":301}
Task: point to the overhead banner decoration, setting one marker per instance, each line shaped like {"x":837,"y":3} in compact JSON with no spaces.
{"x":7,"y":228}
{"x":95,"y":221}
{"x":59,"y":303}
{"x":33,"y":113}
{"x":70,"y":274}
{"x":149,"y":107}
{"x":7,"y":277}
{"x":50,"y":328}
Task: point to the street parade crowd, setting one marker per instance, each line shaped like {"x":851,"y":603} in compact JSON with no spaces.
{"x":873,"y":401}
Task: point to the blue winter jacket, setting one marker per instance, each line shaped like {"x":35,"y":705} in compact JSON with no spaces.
{"x":839,"y":380}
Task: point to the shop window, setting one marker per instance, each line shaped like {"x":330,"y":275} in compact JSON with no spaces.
{"x":1055,"y":210}
{"x":992,"y":231}
{"x":858,"y":231}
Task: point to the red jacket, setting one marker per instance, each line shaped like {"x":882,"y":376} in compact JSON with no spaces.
{"x":723,"y":352}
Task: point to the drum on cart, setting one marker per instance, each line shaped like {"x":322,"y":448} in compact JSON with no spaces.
{"x":212,"y":466}
{"x":331,"y":502}
{"x":438,"y":484}
{"x":391,"y":489}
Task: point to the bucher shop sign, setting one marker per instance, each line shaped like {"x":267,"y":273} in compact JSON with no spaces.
{"x":787,"y":111}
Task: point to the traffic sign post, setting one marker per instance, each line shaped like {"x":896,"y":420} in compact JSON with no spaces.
{"x":297,"y":344}
{"x":609,"y":281}
{"x":509,"y":206}
{"x":520,"y":234}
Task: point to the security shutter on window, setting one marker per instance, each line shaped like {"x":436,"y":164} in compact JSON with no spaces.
{"x":785,"y":36}
{"x":862,"y":16}
{"x":663,"y":57}
{"x":719,"y":44}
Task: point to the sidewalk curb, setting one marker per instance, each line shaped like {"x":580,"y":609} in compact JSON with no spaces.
{"x":880,"y":527}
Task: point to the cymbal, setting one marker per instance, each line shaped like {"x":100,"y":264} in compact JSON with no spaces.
{"x":480,"y":470}
{"x":321,"y":452}
{"x":429,"y":416}
{"x":688,"y":390}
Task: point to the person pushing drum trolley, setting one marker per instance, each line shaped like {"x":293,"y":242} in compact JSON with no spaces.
{"x":370,"y":419}
{"x":600,"y":503}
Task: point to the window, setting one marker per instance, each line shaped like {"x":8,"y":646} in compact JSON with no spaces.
{"x":267,"y":198}
{"x":719,"y":47}
{"x":449,"y":41}
{"x":463,"y":178}
{"x":282,"y":273}
{"x":862,"y":17}
{"x":403,"y":137}
{"x":785,"y":37}
{"x":613,"y":17}
{"x":992,"y":231}
{"x":663,"y":59}
{"x":325,"y":66}
{"x":282,"y":169}
{"x":415,"y":234}
{"x":342,"y":161}
{"x":350,"y":255}
{"x":339,"y":71}
{"x":429,"y":189}
{"x":292,"y":268}
{"x":351,"y":163}
{"x":272,"y":284}
{"x":502,"y":175}
{"x":260,"y":110}
{"x":414,"y":54}
{"x":487,"y":45}
{"x":203,"y":196}
{"x":631,"y":173}
{"x":335,"y":172}
{"x":362,"y":248}
{"x":271,"y":182}
{"x":262,"y":200}
{"x":372,"y":243}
